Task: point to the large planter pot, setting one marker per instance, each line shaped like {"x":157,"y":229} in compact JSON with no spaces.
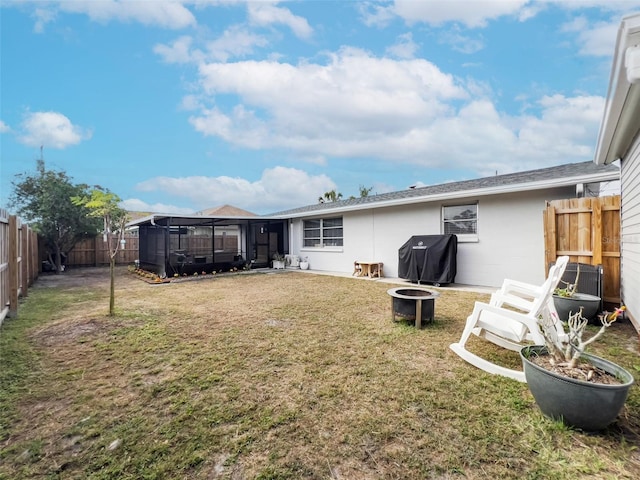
{"x":565,"y":305}
{"x":588,"y":406}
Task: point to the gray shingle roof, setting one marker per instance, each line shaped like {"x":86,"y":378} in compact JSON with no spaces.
{"x":568,"y":171}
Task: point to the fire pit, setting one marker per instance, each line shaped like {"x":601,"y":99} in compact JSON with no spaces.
{"x":412,"y":304}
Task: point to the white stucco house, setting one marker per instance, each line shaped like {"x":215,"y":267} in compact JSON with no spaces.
{"x":618,"y":140}
{"x":498,"y":222}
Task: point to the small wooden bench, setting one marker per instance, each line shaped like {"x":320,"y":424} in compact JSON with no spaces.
{"x":368,"y":269}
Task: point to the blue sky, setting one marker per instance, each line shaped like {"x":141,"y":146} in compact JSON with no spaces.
{"x":183,"y":105}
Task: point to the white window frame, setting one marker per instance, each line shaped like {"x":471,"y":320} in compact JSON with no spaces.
{"x":462,"y":237}
{"x":321,"y":240}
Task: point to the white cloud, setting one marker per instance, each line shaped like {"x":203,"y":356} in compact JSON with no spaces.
{"x":470,"y":13}
{"x":170,"y":14}
{"x":179,"y":51}
{"x":607,"y":5}
{"x":266,"y":13}
{"x":278,"y":188}
{"x":374,"y":14}
{"x":596,"y":39}
{"x":4,"y":128}
{"x":461,"y":43}
{"x":167,"y":14}
{"x":356,"y":97}
{"x":400,"y":111}
{"x":404,"y":47}
{"x":137,"y":205}
{"x":42,"y":16}
{"x":236,"y":41}
{"x":190,"y":102}
{"x":559,"y":114}
{"x":51,"y":129}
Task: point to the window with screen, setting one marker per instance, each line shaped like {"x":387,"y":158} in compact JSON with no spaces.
{"x":461,"y":220}
{"x":323,"y":232}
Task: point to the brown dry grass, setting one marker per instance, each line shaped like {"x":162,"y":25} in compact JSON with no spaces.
{"x":286,"y":375}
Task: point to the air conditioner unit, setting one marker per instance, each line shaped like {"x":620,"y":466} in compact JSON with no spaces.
{"x":589,"y":282}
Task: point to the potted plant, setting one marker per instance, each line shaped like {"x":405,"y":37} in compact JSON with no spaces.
{"x":304,"y":263}
{"x":278,"y":261}
{"x":568,"y":300}
{"x":582,"y":390}
{"x":292,"y":261}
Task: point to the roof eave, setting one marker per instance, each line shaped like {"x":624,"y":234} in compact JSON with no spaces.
{"x":619,"y":127}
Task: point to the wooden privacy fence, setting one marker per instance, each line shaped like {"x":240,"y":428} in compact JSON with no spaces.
{"x":588,"y":230}
{"x":19,"y":264}
{"x":93,"y":252}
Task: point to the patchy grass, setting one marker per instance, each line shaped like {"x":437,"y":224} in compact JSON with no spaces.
{"x":274,"y":376}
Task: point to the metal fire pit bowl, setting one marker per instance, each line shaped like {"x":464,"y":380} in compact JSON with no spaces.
{"x":412,"y":303}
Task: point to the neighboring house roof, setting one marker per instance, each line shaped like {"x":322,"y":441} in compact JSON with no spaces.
{"x":620,"y":122}
{"x":226,"y":211}
{"x":563,"y":175}
{"x":134,"y":215}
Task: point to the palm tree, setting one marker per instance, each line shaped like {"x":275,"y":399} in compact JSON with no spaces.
{"x":331,"y":196}
{"x":364,"y":191}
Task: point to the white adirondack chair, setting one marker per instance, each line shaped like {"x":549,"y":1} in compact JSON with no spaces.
{"x":511,"y":319}
{"x":522,"y":295}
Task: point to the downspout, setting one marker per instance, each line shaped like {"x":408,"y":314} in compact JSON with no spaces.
{"x":213,"y":241}
{"x":291,"y":245}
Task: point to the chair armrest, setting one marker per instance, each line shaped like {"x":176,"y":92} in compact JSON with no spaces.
{"x":521,"y":288}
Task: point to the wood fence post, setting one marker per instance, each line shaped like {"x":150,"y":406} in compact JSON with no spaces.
{"x":24,"y":259}
{"x":550,"y":236}
{"x":596,"y":228}
{"x":13,"y":266}
{"x":96,"y":249}
{"x":35,"y":241}
{"x":584,"y":218}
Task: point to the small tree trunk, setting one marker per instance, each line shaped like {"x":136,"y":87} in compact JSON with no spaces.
{"x":58,"y":260}
{"x":112,"y":291}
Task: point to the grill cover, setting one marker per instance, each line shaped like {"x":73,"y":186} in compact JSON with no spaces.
{"x":429,"y":259}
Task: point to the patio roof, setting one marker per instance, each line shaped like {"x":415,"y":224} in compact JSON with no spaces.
{"x":194,"y":220}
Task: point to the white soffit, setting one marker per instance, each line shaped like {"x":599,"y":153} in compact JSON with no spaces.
{"x":620,"y":123}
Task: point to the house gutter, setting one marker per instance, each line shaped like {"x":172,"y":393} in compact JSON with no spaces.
{"x":620,"y":124}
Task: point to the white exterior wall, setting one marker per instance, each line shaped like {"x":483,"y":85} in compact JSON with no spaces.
{"x":510,"y":237}
{"x":630,"y":232}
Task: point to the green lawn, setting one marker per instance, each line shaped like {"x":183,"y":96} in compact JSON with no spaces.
{"x":273,"y":376}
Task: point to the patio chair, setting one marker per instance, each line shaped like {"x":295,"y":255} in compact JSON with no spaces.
{"x":522,"y":295}
{"x":511,"y":319}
